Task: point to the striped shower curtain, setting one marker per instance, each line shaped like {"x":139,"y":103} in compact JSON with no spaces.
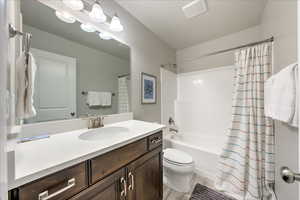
{"x":246,"y":166}
{"x":123,"y":91}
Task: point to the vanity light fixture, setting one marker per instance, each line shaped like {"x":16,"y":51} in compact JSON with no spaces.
{"x":88,"y":28}
{"x":97,"y":14}
{"x":115,"y":24}
{"x":65,"y":17}
{"x":74,"y":4}
{"x":105,"y":36}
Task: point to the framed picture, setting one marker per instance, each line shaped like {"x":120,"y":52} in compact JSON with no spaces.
{"x":148,"y":89}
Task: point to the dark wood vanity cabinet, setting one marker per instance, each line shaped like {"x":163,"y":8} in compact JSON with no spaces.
{"x":109,"y":188}
{"x":145,"y":177}
{"x":131,"y":172}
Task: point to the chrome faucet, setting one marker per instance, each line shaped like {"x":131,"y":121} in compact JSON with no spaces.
{"x":95,"y":122}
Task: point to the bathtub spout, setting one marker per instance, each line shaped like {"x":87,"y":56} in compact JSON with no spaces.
{"x":173,"y":130}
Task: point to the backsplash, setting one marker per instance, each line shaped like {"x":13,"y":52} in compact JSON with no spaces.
{"x":54,"y":127}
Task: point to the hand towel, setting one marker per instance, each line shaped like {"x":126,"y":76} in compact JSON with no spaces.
{"x":25,"y":77}
{"x":106,"y":98}
{"x":281,"y":94}
{"x":93,"y":99}
{"x":295,"y":119}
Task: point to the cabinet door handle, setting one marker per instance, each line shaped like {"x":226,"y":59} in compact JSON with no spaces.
{"x":156,"y":140}
{"x":45,"y":195}
{"x":131,"y":186}
{"x":124,"y":187}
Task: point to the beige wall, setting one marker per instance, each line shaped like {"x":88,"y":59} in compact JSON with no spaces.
{"x":280,"y":20}
{"x":147,"y":54}
{"x":243,"y":37}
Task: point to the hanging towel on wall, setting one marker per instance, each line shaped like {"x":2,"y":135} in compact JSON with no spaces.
{"x":93,"y":99}
{"x":281,"y":95}
{"x":99,"y":99}
{"x":106,"y":99}
{"x":25,"y":77}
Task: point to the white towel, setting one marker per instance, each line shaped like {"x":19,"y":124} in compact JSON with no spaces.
{"x":281,"y":94}
{"x":93,"y":99}
{"x":295,"y":119}
{"x":106,"y":98}
{"x":25,"y":77}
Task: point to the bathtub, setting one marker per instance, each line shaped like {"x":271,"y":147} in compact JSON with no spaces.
{"x":205,"y":151}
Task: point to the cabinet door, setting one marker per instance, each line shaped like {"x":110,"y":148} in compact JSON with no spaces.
{"x":109,"y":188}
{"x":59,"y":186}
{"x":145,"y":177}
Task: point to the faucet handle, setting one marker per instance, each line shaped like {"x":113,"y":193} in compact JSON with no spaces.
{"x":101,"y":121}
{"x":91,"y":122}
{"x":171,"y":121}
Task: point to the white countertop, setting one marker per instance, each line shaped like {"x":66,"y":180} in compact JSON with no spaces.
{"x":39,"y":158}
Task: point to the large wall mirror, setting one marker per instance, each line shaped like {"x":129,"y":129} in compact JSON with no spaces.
{"x":78,"y":73}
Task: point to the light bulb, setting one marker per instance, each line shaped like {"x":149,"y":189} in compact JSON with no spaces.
{"x":97,"y":14}
{"x":115,"y":24}
{"x":105,"y":36}
{"x":74,"y":4}
{"x":88,"y":28}
{"x":65,"y":17}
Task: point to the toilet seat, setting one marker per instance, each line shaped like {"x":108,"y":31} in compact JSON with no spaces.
{"x":177,"y":164}
{"x":177,"y":157}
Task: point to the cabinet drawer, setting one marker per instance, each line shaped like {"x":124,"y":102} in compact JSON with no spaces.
{"x":154,"y":141}
{"x":59,"y":186}
{"x":114,"y":160}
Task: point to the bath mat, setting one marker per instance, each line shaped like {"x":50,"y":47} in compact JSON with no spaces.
{"x":202,"y":192}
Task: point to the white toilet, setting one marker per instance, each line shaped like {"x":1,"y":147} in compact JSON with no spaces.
{"x":178,"y":170}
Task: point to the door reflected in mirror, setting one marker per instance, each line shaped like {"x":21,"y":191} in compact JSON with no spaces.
{"x":78,"y":73}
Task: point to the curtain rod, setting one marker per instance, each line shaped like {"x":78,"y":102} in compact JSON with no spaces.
{"x":271,"y":39}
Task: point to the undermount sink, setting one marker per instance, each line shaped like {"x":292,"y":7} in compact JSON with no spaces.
{"x":104,"y":133}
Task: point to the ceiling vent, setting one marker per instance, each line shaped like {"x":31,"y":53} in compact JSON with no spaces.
{"x":195,"y":8}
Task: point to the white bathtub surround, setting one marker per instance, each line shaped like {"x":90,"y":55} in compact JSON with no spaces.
{"x":203,"y":114}
{"x":246,"y":166}
{"x":33,"y":160}
{"x":168,"y":95}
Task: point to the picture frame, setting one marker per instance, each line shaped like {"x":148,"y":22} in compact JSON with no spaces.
{"x":148,"y":88}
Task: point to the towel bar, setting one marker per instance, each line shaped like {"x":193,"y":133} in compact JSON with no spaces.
{"x":85,"y":93}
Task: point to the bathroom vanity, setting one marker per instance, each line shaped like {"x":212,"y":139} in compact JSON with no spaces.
{"x":130,"y":168}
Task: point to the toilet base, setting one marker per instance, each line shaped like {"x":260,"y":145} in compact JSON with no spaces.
{"x":180,"y":182}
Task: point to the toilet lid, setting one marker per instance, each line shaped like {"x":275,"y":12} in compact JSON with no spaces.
{"x":177,"y":156}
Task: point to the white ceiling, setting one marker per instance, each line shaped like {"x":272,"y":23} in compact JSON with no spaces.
{"x":166,"y":19}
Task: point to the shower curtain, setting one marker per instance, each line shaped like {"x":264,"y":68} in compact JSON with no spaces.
{"x":123,"y":98}
{"x":3,"y":97}
{"x":246,"y":166}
